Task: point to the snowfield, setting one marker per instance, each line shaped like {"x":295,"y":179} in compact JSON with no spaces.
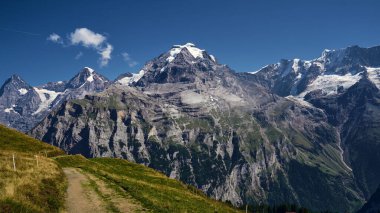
{"x":329,"y":83}
{"x":47,"y":97}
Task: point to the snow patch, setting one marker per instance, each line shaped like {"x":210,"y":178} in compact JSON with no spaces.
{"x":9,"y":110}
{"x":23,"y":91}
{"x":47,"y":97}
{"x":90,"y":78}
{"x":299,"y":76}
{"x":295,"y":65}
{"x":254,"y":72}
{"x":329,"y":83}
{"x":125,"y":80}
{"x":195,"y":52}
{"x":307,"y":64}
{"x":129,"y":80}
{"x":374,"y":75}
{"x":213,"y":58}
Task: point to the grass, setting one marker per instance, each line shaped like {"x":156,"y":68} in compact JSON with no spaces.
{"x":42,"y":187}
{"x":12,"y":140}
{"x":32,"y":187}
{"x":151,"y":188}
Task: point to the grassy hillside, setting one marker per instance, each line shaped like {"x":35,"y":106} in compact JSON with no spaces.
{"x":151,"y":188}
{"x":32,"y":187}
{"x":42,"y":187}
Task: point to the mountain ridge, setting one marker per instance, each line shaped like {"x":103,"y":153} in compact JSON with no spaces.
{"x":219,"y":130}
{"x":23,"y":106}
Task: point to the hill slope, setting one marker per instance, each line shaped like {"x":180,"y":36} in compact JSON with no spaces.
{"x":150,"y":188}
{"x":32,"y":187}
{"x":41,"y":187}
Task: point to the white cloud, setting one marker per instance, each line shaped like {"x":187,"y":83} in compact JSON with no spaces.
{"x":79,"y":55}
{"x":126,"y":56}
{"x":128,"y":59}
{"x":105,"y":54}
{"x":54,"y":37}
{"x":87,"y":38}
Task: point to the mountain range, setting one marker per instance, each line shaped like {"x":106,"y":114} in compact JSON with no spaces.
{"x":297,"y":131}
{"x":23,"y":106}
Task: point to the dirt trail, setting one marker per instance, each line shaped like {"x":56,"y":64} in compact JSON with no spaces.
{"x":87,"y":193}
{"x":81,"y":198}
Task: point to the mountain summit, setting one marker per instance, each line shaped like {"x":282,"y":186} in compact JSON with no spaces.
{"x":181,"y":63}
{"x":22,"y":106}
{"x":87,"y":77}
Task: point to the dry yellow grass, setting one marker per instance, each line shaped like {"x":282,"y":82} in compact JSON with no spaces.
{"x":32,"y":186}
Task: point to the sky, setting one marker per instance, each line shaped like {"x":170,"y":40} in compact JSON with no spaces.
{"x":46,"y":41}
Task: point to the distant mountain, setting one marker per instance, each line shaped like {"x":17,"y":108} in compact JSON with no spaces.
{"x":332,"y":73}
{"x":303,"y":132}
{"x":18,"y":101}
{"x":23,"y":106}
{"x":345,"y":84}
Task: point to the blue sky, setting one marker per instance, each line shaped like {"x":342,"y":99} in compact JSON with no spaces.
{"x":244,"y":34}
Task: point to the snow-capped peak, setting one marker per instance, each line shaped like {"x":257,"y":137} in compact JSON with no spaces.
{"x":194,"y":51}
{"x":88,"y":69}
{"x":90,"y":72}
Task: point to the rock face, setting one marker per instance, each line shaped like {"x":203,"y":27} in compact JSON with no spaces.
{"x":18,"y":100}
{"x":345,"y":85}
{"x":236,"y":136}
{"x":23,"y":106}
